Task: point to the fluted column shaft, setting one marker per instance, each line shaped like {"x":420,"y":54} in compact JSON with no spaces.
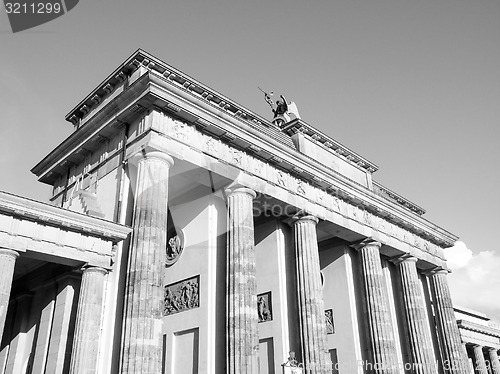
{"x":88,"y":322}
{"x":242,"y":318}
{"x":453,"y":356}
{"x":142,"y":336}
{"x":419,"y":339}
{"x":381,"y":344}
{"x":312,"y":327}
{"x":7,"y":261}
{"x":480,"y":362}
{"x":494,"y":361}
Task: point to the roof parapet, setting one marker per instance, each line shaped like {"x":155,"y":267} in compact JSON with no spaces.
{"x":393,"y":196}
{"x":297,"y":125}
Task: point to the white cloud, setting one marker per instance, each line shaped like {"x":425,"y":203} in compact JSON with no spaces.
{"x":475,"y":279}
{"x":458,"y":256}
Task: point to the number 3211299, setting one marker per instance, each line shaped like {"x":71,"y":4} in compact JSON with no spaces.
{"x":40,"y":8}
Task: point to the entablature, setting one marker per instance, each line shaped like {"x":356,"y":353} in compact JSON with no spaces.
{"x":471,"y":326}
{"x":47,"y":233}
{"x":140,"y":74}
{"x":49,"y":215}
{"x":365,"y":214}
{"x":158,"y":89}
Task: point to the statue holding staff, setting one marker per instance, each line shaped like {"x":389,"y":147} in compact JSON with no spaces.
{"x":283,"y":108}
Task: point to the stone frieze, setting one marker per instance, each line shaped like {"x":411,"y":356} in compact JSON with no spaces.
{"x":336,"y":201}
{"x":181,"y":296}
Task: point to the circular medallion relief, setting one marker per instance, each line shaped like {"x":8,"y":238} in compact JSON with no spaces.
{"x":175,"y":246}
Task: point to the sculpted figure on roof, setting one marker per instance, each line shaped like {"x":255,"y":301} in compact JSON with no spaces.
{"x":283,"y":108}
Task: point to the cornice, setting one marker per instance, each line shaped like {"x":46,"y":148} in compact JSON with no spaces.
{"x":54,"y":216}
{"x":106,"y":117}
{"x":471,"y":326}
{"x":103,"y":90}
{"x":391,"y":195}
{"x":141,"y":58}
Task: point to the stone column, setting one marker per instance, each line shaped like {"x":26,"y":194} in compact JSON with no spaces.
{"x":381,"y":342}
{"x":495,"y":363}
{"x":470,"y":366}
{"x":142,"y":346}
{"x":88,"y":321}
{"x":312,"y":326}
{"x":419,"y":343}
{"x":7,"y":261}
{"x":479,"y":360}
{"x":242,"y":332}
{"x":453,"y":357}
{"x":18,"y":350}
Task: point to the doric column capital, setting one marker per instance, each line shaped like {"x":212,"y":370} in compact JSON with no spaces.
{"x":441,"y":272}
{"x":436,"y":271}
{"x":234,"y":189}
{"x":94,"y":269}
{"x":304,"y":218}
{"x":406,"y":258}
{"x":9,"y":252}
{"x":150,"y":153}
{"x":366,"y":243}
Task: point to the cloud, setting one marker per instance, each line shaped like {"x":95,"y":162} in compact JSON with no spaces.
{"x":475,"y":279}
{"x":458,"y":256}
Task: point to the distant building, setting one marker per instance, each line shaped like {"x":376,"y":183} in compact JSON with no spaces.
{"x":480,"y":339}
{"x":191,"y":235}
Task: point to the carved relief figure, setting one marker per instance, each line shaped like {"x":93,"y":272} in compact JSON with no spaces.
{"x":258,"y":166}
{"x":291,"y":360}
{"x":336,"y":204}
{"x":300,"y":188}
{"x":181,"y":296}
{"x":320,"y":197}
{"x":367,"y":218}
{"x":175,"y":246}
{"x":330,"y":329}
{"x":281,"y":178}
{"x":179,"y":130}
{"x":262,"y":308}
{"x":381,"y":225}
{"x":211,"y":145}
{"x":236,"y":157}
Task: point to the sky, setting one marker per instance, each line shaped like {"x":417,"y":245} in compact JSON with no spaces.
{"x":413,"y":86}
